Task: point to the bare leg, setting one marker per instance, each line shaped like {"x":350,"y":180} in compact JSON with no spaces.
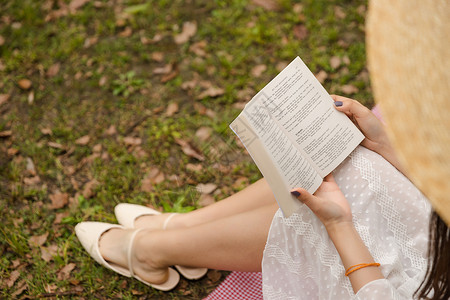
{"x":230,"y":243}
{"x":254,"y":196}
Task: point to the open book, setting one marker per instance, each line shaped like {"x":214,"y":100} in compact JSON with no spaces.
{"x":294,"y":133}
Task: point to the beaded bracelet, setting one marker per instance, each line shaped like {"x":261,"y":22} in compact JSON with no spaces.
{"x":360,"y":266}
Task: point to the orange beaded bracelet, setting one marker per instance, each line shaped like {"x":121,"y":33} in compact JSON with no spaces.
{"x":360,"y":266}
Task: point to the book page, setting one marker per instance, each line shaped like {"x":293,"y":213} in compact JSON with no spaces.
{"x":306,"y":114}
{"x":265,"y":159}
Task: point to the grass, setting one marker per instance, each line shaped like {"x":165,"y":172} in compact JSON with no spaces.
{"x":106,"y":53}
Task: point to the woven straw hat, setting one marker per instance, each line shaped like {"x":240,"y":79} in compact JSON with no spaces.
{"x":408,"y":48}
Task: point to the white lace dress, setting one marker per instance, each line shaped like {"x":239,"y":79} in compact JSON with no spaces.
{"x":390,"y":214}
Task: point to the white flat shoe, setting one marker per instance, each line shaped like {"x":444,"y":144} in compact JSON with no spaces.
{"x":127,"y":213}
{"x":89,"y":234}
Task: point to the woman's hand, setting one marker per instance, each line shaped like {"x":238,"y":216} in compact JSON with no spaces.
{"x":376,"y":137}
{"x":328,"y":203}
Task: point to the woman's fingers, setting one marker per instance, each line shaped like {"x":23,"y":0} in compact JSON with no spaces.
{"x":303,"y":196}
{"x":350,"y":107}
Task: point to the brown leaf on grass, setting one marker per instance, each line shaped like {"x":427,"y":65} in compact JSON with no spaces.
{"x":76,"y":4}
{"x":46,"y":131}
{"x":126,"y":32}
{"x":53,"y":70}
{"x":47,"y":253}
{"x":55,"y":145}
{"x":2,"y":40}
{"x":31,"y":169}
{"x":157,"y":56}
{"x":89,"y":187}
{"x":171,"y":75}
{"x":82,"y":141}
{"x":21,"y":286}
{"x":4,"y":98}
{"x":132,"y":141}
{"x":102,"y":81}
{"x":300,"y":32}
{"x":203,"y":133}
{"x":31,"y":97}
{"x":12,"y":151}
{"x":5,"y":133}
{"x":258,"y":70}
{"x":281,"y":65}
{"x":12,"y":278}
{"x":32,"y":180}
{"x":194,"y":167}
{"x":111,"y":130}
{"x":206,"y":188}
{"x":154,"y":176}
{"x":188,"y":31}
{"x":59,"y":200}
{"x":24,"y":84}
{"x":163,"y":70}
{"x":335,"y":62}
{"x":37,"y":240}
{"x":321,"y":76}
{"x":97,"y":148}
{"x":206,"y":199}
{"x":198,"y":48}
{"x":349,"y":89}
{"x":241,"y":182}
{"x":189,"y":150}
{"x":172,"y":108}
{"x":214,"y":275}
{"x":245,"y":94}
{"x":64,"y":273}
{"x":339,"y":12}
{"x":60,"y":216}
{"x":50,"y":288}
{"x":211,"y":92}
{"x":267,"y":4}
{"x":90,"y":41}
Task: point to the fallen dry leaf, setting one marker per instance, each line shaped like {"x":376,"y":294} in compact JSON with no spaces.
{"x":154,"y":176}
{"x":31,"y":97}
{"x":240,"y":183}
{"x":2,"y":40}
{"x":38,"y":240}
{"x":53,"y":70}
{"x":335,"y":62}
{"x":339,"y":12}
{"x":102,"y":81}
{"x":59,"y":200}
{"x":132,"y":141}
{"x":126,"y":32}
{"x":214,"y":275}
{"x":206,"y":199}
{"x":206,"y":188}
{"x":4,"y":98}
{"x":88,"y":189}
{"x":245,"y":94}
{"x":64,"y":273}
{"x":6,"y":133}
{"x":32,"y":180}
{"x":12,"y":151}
{"x":281,"y":65}
{"x":194,"y":167}
{"x":163,"y":70}
{"x":76,"y":4}
{"x":21,"y":286}
{"x":55,"y":145}
{"x":321,"y":76}
{"x":349,"y":89}
{"x":188,"y":31}
{"x":24,"y":84}
{"x":172,"y":108}
{"x":47,"y":253}
{"x":211,"y":92}
{"x":198,"y":48}
{"x":84,"y":140}
{"x":203,"y":133}
{"x":31,"y":169}
{"x":267,"y":4}
{"x":258,"y":70}
{"x":111,"y":130}
{"x":46,"y":131}
{"x":189,"y":150}
{"x":157,"y":56}
{"x":300,"y":31}
{"x":12,"y":278}
{"x":170,"y":76}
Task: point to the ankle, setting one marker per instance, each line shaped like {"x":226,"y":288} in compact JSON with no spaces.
{"x":148,"y":251}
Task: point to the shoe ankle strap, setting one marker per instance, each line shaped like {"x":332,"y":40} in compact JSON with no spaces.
{"x":166,"y":222}
{"x":130,"y":250}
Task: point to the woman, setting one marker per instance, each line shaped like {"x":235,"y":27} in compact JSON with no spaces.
{"x":364,"y":232}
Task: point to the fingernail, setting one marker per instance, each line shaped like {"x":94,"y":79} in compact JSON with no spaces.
{"x":295,"y":193}
{"x":338,"y":103}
